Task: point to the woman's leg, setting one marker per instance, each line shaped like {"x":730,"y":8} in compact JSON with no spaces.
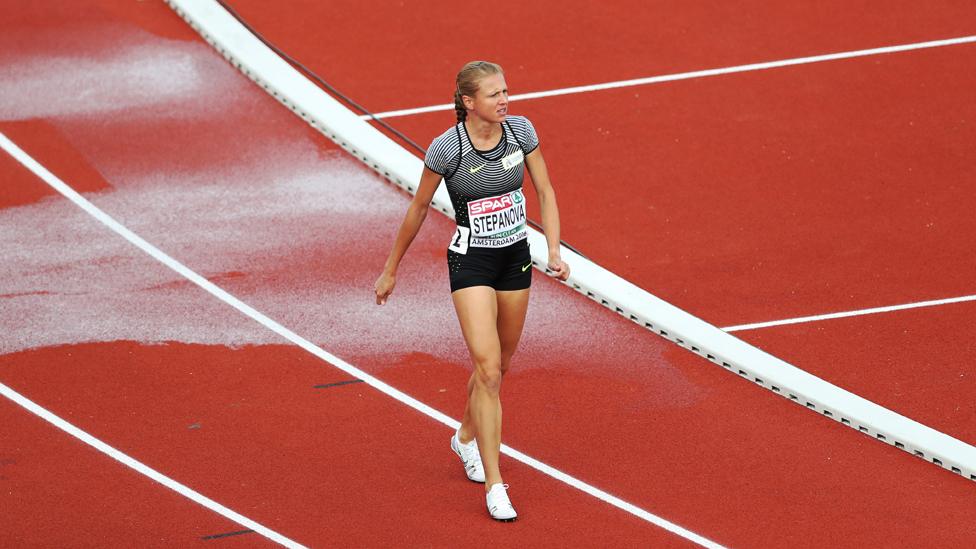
{"x":467,"y":431}
{"x":477,"y":311}
{"x":491,"y":351}
{"x":512,"y":306}
{"x":511,"y":318}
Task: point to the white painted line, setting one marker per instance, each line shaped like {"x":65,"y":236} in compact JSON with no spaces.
{"x":274,"y":326}
{"x":696,"y":74}
{"x":143,"y":469}
{"x":845,"y":314}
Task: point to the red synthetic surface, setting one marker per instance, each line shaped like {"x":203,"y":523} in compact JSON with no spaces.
{"x":671,"y":396}
{"x":756,"y":196}
{"x":420,"y":49}
{"x":58,"y":492}
{"x":762,"y":195}
{"x":342,"y":466}
{"x":931,"y":380}
{"x":49,"y":147}
{"x":662,"y":428}
{"x":772,"y":194}
{"x":246,"y":428}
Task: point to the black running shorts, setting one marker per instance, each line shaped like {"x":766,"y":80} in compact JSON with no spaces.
{"x":504,"y":269}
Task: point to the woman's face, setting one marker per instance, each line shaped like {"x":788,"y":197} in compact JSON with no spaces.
{"x":490,"y":102}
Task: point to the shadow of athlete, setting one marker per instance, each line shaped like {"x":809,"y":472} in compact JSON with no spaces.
{"x":482,"y":160}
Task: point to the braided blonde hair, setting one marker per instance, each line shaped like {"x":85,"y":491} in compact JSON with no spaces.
{"x":467,"y":83}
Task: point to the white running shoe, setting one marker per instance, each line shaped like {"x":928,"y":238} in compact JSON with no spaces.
{"x":470,"y":458}
{"x":499,"y":506}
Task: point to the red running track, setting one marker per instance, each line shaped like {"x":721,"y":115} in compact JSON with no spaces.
{"x":337,"y":466}
{"x":742,"y":198}
{"x":391,"y":56}
{"x":58,"y":492}
{"x":920,"y":362}
{"x":771,"y":194}
{"x":685,"y":440}
{"x":784,"y":193}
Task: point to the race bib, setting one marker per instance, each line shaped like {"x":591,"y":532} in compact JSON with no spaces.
{"x":513,"y":160}
{"x":459,"y":242}
{"x":497,"y":221}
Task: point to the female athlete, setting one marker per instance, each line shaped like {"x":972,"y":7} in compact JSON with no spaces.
{"x":482,"y":160}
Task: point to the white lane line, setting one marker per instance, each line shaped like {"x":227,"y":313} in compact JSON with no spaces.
{"x":333,"y":360}
{"x":141,"y":468}
{"x":697,"y":74}
{"x":859,"y":312}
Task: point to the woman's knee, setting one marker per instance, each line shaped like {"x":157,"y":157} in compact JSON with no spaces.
{"x":489,"y":374}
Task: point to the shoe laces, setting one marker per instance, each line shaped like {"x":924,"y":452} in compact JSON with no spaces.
{"x":500,"y":497}
{"x":470,"y":452}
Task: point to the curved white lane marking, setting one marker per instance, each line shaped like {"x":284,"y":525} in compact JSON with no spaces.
{"x":333,"y":360}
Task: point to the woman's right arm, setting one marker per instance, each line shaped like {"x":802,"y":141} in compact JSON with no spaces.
{"x":412,"y":222}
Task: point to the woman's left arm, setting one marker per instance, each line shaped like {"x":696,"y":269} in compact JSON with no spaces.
{"x":550,"y":212}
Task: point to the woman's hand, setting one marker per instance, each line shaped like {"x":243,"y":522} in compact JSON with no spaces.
{"x":559,"y":268}
{"x":384,"y":287}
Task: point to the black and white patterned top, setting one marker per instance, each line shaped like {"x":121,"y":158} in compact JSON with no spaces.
{"x":472,"y":175}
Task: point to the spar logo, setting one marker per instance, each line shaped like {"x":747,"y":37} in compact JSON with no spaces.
{"x":493,"y":204}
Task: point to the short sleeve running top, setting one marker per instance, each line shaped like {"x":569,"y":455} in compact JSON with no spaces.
{"x":485,"y":186}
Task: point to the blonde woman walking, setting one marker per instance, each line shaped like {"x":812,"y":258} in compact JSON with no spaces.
{"x":482,"y":159}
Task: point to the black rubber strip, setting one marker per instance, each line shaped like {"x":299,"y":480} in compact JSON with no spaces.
{"x":338,"y":383}
{"x":228,"y":534}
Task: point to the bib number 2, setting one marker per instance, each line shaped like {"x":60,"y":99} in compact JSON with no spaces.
{"x":459,"y":242}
